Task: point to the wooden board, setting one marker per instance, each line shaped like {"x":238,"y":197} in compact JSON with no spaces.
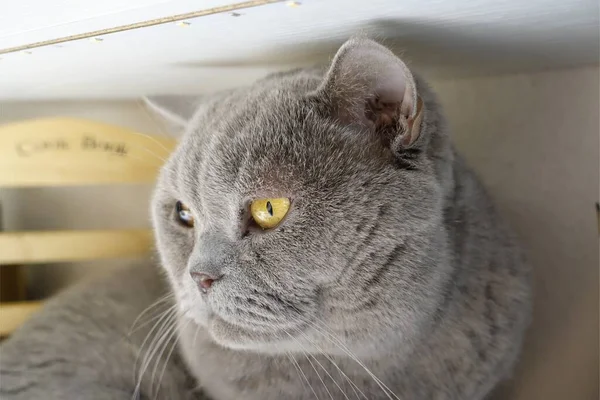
{"x":12,"y":315}
{"x":12,"y":283}
{"x":68,"y":151}
{"x":57,"y":246}
{"x":12,"y":278}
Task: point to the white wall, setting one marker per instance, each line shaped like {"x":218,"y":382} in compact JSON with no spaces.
{"x":534,"y":140}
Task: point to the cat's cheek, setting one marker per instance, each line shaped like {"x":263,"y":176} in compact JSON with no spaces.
{"x":175,"y":247}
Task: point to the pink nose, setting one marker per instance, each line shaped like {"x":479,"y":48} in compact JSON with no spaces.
{"x":204,"y":281}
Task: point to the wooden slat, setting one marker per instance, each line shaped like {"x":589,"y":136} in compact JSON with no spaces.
{"x":68,"y":151}
{"x":12,"y":315}
{"x":56,"y":246}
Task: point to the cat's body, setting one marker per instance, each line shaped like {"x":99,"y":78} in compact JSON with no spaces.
{"x":84,"y":344}
{"x":391,"y":275}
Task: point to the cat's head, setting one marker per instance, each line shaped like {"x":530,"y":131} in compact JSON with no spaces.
{"x":301,"y":212}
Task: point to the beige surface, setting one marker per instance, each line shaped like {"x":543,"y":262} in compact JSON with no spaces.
{"x":77,"y":245}
{"x":14,"y":314}
{"x":534,"y":140}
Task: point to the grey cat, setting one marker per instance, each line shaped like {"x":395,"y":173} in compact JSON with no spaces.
{"x":387,"y":274}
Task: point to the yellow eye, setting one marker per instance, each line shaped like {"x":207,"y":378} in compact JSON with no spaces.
{"x":268,"y":213}
{"x":184,"y":215}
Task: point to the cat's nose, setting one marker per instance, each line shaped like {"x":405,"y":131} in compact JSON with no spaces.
{"x":204,"y":281}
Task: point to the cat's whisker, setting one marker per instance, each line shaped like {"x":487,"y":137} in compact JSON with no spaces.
{"x":156,"y":354}
{"x":154,"y":118}
{"x":163,"y":322}
{"x":173,"y":346}
{"x":163,"y":318}
{"x":302,"y":372}
{"x":144,"y":361}
{"x":306,"y":355}
{"x":152,"y":139}
{"x":330,"y":359}
{"x":154,"y":349}
{"x":195,"y":336}
{"x":325,"y":370}
{"x":353,"y":386}
{"x":334,"y":340}
{"x":160,"y":349}
{"x":171,"y":308}
{"x":147,"y":150}
{"x":146,"y":310}
{"x":296,"y":366}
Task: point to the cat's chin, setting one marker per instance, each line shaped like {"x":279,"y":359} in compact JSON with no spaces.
{"x":236,"y":337}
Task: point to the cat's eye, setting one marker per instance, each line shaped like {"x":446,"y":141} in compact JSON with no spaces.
{"x":268,"y":213}
{"x":184,"y":215}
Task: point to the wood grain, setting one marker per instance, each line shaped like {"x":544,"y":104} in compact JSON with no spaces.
{"x":68,"y":151}
{"x":66,"y":246}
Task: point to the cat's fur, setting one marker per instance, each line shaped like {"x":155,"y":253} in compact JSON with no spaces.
{"x":392,"y":276}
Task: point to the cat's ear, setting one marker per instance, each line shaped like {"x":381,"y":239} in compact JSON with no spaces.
{"x":176,"y":111}
{"x":369,"y":85}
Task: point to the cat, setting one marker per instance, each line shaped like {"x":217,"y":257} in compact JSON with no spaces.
{"x":320,"y":238}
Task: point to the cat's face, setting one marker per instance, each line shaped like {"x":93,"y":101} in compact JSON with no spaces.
{"x":349,"y":262}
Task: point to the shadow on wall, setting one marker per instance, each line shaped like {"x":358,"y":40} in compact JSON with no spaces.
{"x":435,"y":50}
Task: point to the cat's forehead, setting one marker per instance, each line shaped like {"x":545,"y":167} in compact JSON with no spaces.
{"x":280,"y":147}
{"x":271,"y":137}
{"x":260,"y":143}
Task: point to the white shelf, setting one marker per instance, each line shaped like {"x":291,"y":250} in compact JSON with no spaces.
{"x":443,"y":38}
